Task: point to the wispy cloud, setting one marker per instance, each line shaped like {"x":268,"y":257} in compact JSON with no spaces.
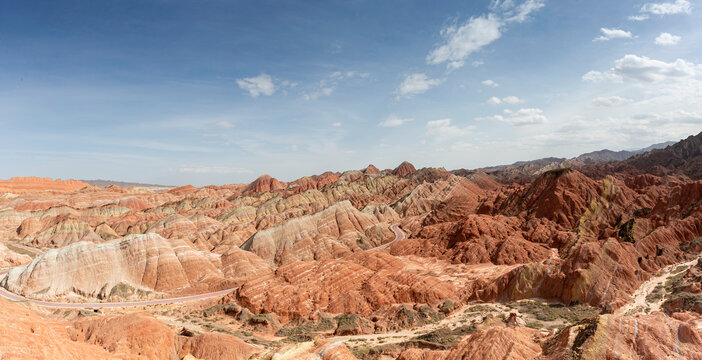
{"x":393,"y":121}
{"x":645,"y":69}
{"x":461,"y":40}
{"x":511,"y":100}
{"x":661,"y":9}
{"x":443,"y":129}
{"x":609,"y":34}
{"x":327,"y":85}
{"x":668,"y":8}
{"x":521,"y":117}
{"x":416,"y":84}
{"x":609,"y":101}
{"x":490,"y":83}
{"x":259,"y":85}
{"x":667,"y":39}
{"x":224,"y":124}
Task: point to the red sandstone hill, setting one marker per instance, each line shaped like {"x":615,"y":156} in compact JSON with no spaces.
{"x":23,"y":185}
{"x":429,"y":262}
{"x":404,"y":169}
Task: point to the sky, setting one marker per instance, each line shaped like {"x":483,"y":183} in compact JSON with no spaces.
{"x":220,"y":91}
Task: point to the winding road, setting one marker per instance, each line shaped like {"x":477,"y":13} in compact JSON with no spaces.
{"x":399,"y":235}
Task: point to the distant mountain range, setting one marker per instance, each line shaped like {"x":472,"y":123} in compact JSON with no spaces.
{"x":643,"y":159}
{"x":104,"y":183}
{"x":684,"y":157}
{"x":524,"y":171}
{"x":609,"y":155}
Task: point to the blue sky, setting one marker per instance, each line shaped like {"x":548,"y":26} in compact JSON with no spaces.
{"x":219,"y":91}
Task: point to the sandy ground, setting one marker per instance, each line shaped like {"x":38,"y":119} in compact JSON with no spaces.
{"x":639,"y":304}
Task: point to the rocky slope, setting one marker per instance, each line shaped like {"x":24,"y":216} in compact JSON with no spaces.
{"x":137,"y":266}
{"x":316,"y":258}
{"x":9,"y":258}
{"x":336,"y":231}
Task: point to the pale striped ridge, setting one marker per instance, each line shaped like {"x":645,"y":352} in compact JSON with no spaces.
{"x":614,"y":272}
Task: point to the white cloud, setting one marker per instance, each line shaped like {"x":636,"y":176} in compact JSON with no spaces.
{"x":416,"y":84}
{"x":677,"y":116}
{"x":512,"y":100}
{"x":645,"y":69}
{"x":477,"y":63}
{"x":442,"y":129}
{"x":638,"y":17}
{"x":528,"y":116}
{"x":521,"y":117}
{"x":609,"y":101}
{"x":490,"y":83}
{"x":668,"y":8}
{"x":461,"y":41}
{"x":324,"y":91}
{"x":507,"y":100}
{"x":394,"y":120}
{"x":494,"y":100}
{"x":521,"y":13}
{"x":340,"y":75}
{"x":336,"y":124}
{"x":597,"y":76}
{"x":259,"y":85}
{"x":609,"y":34}
{"x":213,"y":170}
{"x":328,"y":85}
{"x":667,"y":39}
{"x":224,"y":124}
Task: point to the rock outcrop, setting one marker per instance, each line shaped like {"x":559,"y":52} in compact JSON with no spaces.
{"x":133,"y":267}
{"x":9,"y":258}
{"x":337,"y":231}
{"x":358,"y":284}
{"x":404,"y":169}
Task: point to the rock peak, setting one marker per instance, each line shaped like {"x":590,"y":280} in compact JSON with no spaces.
{"x":404,"y":169}
{"x":264,"y":183}
{"x":371,"y":170}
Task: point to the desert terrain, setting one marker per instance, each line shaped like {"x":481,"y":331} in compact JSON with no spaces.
{"x":563,"y":259}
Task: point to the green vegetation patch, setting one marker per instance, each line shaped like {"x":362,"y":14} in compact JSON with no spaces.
{"x":347,"y":322}
{"x":626,"y":231}
{"x":323,"y":325}
{"x":365,"y":352}
{"x":685,"y":301}
{"x":558,"y":172}
{"x":122,"y":290}
{"x":589,"y":327}
{"x":553,"y":312}
{"x":479,"y":309}
{"x":446,"y":337}
{"x":657,"y":294}
{"x":228,"y":309}
{"x":692,"y":244}
{"x":535,"y":324}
